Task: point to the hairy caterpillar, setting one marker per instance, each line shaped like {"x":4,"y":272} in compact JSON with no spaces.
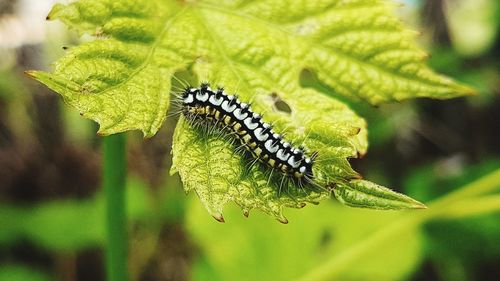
{"x":257,"y":136}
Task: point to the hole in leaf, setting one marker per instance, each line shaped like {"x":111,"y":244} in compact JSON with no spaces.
{"x":280,"y":104}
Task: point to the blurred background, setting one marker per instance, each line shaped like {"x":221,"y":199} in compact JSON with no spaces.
{"x":52,"y":208}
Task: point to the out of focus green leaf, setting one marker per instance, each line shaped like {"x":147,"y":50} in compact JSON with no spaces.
{"x":236,"y":250}
{"x":467,"y":247}
{"x":431,"y":181}
{"x":21,"y":273}
{"x":465,"y":237}
{"x":349,"y":244}
{"x":473,"y":25}
{"x":11,"y":86}
{"x":67,"y":224}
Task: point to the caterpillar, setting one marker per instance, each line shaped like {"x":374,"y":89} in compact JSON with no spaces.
{"x":257,"y":136}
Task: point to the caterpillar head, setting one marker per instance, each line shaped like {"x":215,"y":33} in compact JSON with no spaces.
{"x":305,"y":169}
{"x":188,"y":96}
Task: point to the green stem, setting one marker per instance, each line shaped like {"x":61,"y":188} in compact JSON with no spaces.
{"x":116,"y":221}
{"x":482,"y":186}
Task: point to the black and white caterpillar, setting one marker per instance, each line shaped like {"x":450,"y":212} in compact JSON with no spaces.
{"x":256,"y":136}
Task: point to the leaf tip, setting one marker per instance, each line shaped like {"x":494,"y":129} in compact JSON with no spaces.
{"x":470,"y":91}
{"x":365,"y":194}
{"x":282,"y":219}
{"x":418,"y":205}
{"x":30,"y":73}
{"x":148,"y":134}
{"x":356,"y":175}
{"x":39,"y":76}
{"x":100,"y":132}
{"x":50,"y":16}
{"x":219,"y":217}
{"x":360,"y":154}
{"x":53,"y":13}
{"x":461,"y":89}
{"x":246,"y":213}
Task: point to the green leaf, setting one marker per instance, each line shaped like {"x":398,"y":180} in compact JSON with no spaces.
{"x":332,"y":242}
{"x":259,"y":49}
{"x":287,"y":253}
{"x":464,"y":247}
{"x":121,"y":79}
{"x":421,"y":182}
{"x":67,"y":224}
{"x":473,"y":26}
{"x":365,"y":194}
{"x":21,"y":273}
{"x":208,"y":164}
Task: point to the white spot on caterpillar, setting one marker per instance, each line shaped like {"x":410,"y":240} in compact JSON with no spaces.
{"x":282,"y":155}
{"x":302,"y":169}
{"x":225,"y":106}
{"x":292,"y":162}
{"x":215,"y":101}
{"x":250,"y":124}
{"x":270,"y":146}
{"x":259,"y":135}
{"x":189,"y":98}
{"x":239,"y":115}
{"x":201,"y":96}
